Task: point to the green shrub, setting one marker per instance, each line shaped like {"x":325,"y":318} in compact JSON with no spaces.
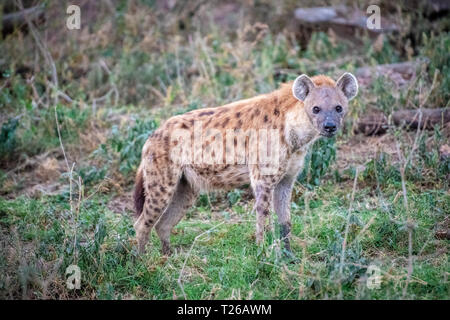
{"x":124,"y":146}
{"x":317,"y":161}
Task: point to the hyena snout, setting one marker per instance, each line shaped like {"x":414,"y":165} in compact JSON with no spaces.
{"x":330,"y":127}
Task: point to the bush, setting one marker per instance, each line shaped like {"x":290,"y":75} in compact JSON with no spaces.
{"x":123,"y":147}
{"x":317,"y":161}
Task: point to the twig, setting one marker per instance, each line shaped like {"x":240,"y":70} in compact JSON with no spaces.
{"x":113,"y":84}
{"x":60,"y":140}
{"x":344,"y":243}
{"x":4,"y":84}
{"x":368,"y":224}
{"x":409,"y":223}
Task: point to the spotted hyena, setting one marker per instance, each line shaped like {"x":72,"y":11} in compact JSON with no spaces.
{"x":260,"y":141}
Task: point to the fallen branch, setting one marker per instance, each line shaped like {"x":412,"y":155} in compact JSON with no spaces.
{"x":443,"y":234}
{"x":378,"y":123}
{"x":16,"y":19}
{"x":400,"y":73}
{"x":341,"y":16}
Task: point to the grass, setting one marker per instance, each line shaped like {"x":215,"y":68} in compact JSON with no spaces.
{"x":121,"y":79}
{"x":224,"y":262}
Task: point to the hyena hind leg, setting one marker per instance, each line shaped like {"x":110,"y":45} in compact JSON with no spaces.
{"x":182,"y":200}
{"x":157,"y":198}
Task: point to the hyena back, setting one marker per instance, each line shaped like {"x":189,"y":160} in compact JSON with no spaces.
{"x":226,"y":147}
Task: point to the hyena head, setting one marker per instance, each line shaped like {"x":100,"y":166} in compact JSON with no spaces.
{"x":326,"y":105}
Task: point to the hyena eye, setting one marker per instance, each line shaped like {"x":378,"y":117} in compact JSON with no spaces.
{"x":338,"y":109}
{"x":316,"y":110}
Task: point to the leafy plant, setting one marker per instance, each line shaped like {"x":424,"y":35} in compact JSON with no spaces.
{"x":317,"y":162}
{"x":234,"y":196}
{"x":92,"y":174}
{"x":124,"y":147}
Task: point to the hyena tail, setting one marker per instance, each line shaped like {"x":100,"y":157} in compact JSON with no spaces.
{"x":139,"y":193}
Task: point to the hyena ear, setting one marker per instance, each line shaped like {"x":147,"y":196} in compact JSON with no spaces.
{"x":348,"y":84}
{"x":302,"y":87}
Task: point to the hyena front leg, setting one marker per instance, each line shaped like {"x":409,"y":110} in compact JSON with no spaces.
{"x":282,"y":202}
{"x":263,"y":195}
{"x":182,"y":200}
{"x":159,"y":184}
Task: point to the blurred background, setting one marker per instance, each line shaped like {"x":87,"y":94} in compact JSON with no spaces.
{"x":76,"y":107}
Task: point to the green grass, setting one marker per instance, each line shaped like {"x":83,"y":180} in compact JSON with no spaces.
{"x":225,"y":262}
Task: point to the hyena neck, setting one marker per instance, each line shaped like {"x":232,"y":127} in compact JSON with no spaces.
{"x":299,"y":132}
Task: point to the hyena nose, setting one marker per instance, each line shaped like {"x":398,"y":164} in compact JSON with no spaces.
{"x":329,"y":127}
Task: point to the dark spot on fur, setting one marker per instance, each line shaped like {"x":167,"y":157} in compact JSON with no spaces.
{"x":266,"y":118}
{"x":263,"y":210}
{"x":225,"y":122}
{"x":276,"y":112}
{"x":184,"y":126}
{"x":238,"y":114}
{"x":206,"y":113}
